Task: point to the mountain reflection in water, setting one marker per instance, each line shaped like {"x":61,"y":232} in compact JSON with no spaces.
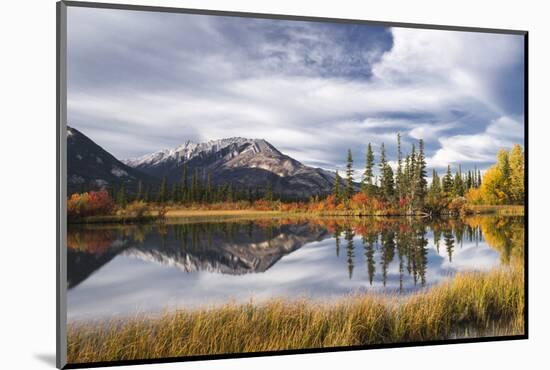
{"x":118,"y":270}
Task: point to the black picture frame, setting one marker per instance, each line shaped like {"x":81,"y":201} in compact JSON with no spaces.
{"x":61,"y":175}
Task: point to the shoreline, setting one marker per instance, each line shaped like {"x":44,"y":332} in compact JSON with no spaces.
{"x":186,"y":213}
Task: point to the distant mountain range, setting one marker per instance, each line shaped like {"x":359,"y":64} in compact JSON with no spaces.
{"x":243,"y":163}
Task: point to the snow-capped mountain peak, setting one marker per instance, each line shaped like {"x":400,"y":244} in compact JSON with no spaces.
{"x":190,"y":150}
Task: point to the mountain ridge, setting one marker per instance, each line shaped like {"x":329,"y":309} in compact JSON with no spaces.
{"x":245,"y":164}
{"x":242,"y":162}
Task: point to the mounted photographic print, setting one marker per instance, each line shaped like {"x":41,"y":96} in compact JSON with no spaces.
{"x":235,"y":184}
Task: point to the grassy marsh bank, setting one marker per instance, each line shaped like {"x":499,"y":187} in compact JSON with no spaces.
{"x":200,"y":214}
{"x":499,"y":210}
{"x":470,"y":301}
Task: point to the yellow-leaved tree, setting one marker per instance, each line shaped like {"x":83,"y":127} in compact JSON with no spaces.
{"x":517,"y":174}
{"x":503,"y":183}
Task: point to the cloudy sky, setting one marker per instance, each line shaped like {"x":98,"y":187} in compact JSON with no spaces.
{"x":139,"y":82}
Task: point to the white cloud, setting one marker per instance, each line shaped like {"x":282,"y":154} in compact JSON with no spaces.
{"x":429,"y":132}
{"x":216,"y":91}
{"x":462,"y":149}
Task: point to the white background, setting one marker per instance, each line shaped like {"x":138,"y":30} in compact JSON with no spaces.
{"x":27,"y":182}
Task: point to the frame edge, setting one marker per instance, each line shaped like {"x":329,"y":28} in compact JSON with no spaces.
{"x":61,"y":187}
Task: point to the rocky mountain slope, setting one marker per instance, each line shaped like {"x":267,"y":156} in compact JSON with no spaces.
{"x":243,"y":163}
{"x":89,"y":166}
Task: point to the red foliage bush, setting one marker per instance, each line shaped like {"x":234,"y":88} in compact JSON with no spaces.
{"x":90,"y":204}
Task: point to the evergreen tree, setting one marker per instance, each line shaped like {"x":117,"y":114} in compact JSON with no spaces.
{"x":336,"y":189}
{"x":348,"y":191}
{"x":269,"y":192}
{"x":208,"y":194}
{"x":412,"y":172}
{"x":174,"y":193}
{"x":139,"y":194}
{"x":121,"y":198}
{"x":399,"y":176}
{"x":230,"y":196}
{"x":448,"y":181}
{"x":184,"y":185}
{"x":386,"y":176}
{"x":146,"y":195}
{"x":420,"y":182}
{"x":366,"y":185}
{"x":195,"y":187}
{"x":407,"y":175}
{"x":458,"y":185}
{"x":163,"y":192}
{"x":435,"y":188}
{"x":112,"y":192}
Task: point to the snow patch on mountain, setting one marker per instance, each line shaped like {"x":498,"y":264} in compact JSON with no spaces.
{"x":119,"y":172}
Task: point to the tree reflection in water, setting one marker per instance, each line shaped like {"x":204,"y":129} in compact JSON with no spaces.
{"x":255,"y":246}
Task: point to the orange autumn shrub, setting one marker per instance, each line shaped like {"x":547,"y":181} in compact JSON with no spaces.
{"x":330,"y":202}
{"x":90,"y":204}
{"x":262,"y":205}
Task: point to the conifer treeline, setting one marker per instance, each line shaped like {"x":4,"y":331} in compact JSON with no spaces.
{"x":191,"y":189}
{"x":408,"y":186}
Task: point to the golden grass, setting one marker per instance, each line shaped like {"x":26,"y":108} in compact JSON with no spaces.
{"x":181,"y":214}
{"x":174,"y":213}
{"x":502,"y":210}
{"x":482,"y":303}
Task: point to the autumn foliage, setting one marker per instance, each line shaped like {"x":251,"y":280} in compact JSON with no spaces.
{"x":90,"y":204}
{"x":503,"y":183}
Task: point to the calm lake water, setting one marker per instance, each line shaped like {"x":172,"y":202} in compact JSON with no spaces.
{"x":116,"y":270}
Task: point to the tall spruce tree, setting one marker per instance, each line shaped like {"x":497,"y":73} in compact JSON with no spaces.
{"x":230,"y":195}
{"x":194,"y":193}
{"x":387,"y":186}
{"x":145,"y":196}
{"x":139,"y":193}
{"x":420,"y":182}
{"x":184,"y":185}
{"x":367,"y":185}
{"x":174,"y":193}
{"x":163,"y":192}
{"x":121,"y":198}
{"x":458,"y":184}
{"x":412,"y":174}
{"x":435,"y":187}
{"x":336,"y":190}
{"x":208,"y":193}
{"x":348,"y":191}
{"x":269,"y":192}
{"x":399,"y":175}
{"x":407,"y":175}
{"x":448,"y":181}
